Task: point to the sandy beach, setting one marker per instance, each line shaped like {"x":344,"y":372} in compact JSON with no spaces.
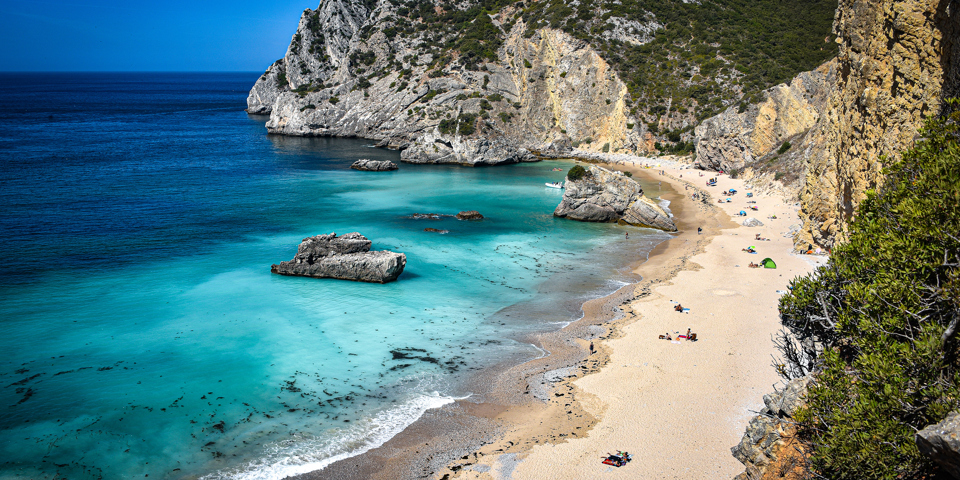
{"x":678,"y":406}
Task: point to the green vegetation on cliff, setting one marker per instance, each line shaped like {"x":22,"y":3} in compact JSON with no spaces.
{"x":707,"y":54}
{"x":877,"y":325}
{"x":682,"y":61}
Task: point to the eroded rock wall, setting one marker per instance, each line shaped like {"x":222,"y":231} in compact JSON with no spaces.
{"x":545,"y":92}
{"x":788,"y":113}
{"x":897,"y":61}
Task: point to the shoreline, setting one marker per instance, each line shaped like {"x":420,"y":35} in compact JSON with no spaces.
{"x":513,"y":432}
{"x":430,"y":446}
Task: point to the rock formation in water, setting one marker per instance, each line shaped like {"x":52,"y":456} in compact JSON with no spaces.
{"x":368,"y":165}
{"x":605,"y":196}
{"x":347,"y":257}
{"x":469,"y":215}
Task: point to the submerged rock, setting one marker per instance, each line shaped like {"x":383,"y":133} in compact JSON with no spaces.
{"x":367,"y":165}
{"x":436,"y":230}
{"x":606,"y":196}
{"x":347,"y":257}
{"x":469,"y":215}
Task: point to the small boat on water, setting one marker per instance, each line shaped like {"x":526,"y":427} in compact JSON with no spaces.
{"x":554,"y":184}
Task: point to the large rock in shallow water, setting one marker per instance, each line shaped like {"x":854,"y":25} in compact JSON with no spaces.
{"x":347,"y":257}
{"x":367,"y":165}
{"x":606,"y":196}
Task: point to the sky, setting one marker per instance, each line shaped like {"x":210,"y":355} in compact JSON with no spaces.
{"x":168,"y":35}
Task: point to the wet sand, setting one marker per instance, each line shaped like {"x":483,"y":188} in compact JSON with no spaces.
{"x":679,"y":406}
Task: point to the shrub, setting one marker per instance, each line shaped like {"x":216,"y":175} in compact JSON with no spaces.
{"x":877,"y":324}
{"x":783,"y":148}
{"x":282,"y":80}
{"x":527,"y":63}
{"x":734,"y":173}
{"x":606,"y":147}
{"x":628,"y":174}
{"x":308,"y":107}
{"x":576,"y":173}
{"x":333,"y":100}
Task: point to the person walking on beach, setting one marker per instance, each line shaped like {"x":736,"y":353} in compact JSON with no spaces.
{"x":626,"y":235}
{"x":699,"y":229}
{"x":591,"y":348}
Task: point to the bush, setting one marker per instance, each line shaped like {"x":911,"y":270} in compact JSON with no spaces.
{"x":783,"y":148}
{"x":527,"y":63}
{"x":628,"y":174}
{"x":606,"y":148}
{"x":576,"y":173}
{"x":333,"y":100}
{"x":877,"y":324}
{"x":734,"y":173}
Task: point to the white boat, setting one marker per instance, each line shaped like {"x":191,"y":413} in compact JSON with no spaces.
{"x":554,"y":184}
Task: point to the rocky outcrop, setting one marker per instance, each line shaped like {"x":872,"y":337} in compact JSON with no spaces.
{"x":469,"y":215}
{"x":347,"y":257}
{"x":769,"y":435}
{"x":605,"y":196}
{"x":788,"y":113}
{"x":941,"y":443}
{"x":897,"y":61}
{"x":368,"y":165}
{"x":752,"y":222}
{"x":545,"y":91}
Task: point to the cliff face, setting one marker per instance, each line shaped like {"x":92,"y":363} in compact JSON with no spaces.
{"x":545,"y":92}
{"x":789,"y":113}
{"x":898,"y":60}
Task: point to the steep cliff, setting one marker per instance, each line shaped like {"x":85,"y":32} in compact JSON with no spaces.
{"x":898,"y":60}
{"x":777,"y":135}
{"x":473,"y":83}
{"x":543,"y":91}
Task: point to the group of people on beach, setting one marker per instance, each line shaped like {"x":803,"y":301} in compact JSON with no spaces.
{"x":689,"y":336}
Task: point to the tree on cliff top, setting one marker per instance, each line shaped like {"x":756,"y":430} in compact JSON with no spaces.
{"x":877,"y":325}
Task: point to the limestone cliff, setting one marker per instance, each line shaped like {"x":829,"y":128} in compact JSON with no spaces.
{"x":545,"y":91}
{"x":897,"y":61}
{"x":778,"y":134}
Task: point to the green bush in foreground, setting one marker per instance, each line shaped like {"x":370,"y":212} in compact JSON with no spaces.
{"x":576,"y":173}
{"x":877,"y":324}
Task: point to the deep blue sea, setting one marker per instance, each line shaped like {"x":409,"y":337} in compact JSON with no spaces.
{"x":142,"y":332}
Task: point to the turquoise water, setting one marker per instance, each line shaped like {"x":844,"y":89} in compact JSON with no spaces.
{"x":143,"y":333}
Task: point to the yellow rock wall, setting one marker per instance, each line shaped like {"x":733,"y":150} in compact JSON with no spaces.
{"x":897,"y":61}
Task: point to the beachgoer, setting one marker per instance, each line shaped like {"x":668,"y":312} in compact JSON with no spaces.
{"x":668,"y":336}
{"x":699,"y":229}
{"x":591,"y":347}
{"x":688,"y":334}
{"x":626,"y":234}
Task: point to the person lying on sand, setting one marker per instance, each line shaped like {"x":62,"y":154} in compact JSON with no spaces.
{"x":749,"y":250}
{"x":678,"y":308}
{"x":754,"y":265}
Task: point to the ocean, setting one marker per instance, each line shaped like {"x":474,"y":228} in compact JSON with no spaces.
{"x":143,"y":333}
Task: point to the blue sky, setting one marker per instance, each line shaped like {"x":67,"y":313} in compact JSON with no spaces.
{"x":168,"y":35}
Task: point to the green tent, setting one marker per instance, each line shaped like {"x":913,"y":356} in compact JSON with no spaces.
{"x":768,"y":263}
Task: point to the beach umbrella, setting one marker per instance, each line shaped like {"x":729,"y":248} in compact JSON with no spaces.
{"x":768,"y":263}
{"x":743,"y":214}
